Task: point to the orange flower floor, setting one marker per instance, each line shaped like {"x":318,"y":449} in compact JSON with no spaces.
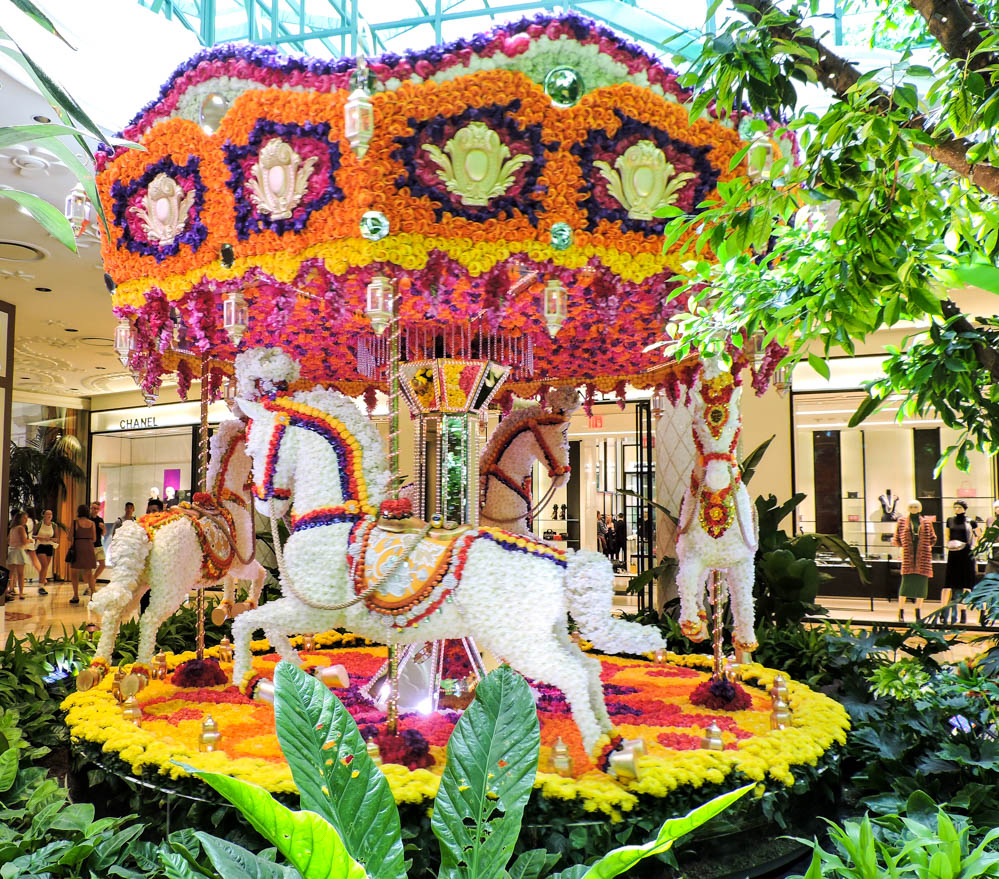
{"x":645,"y":700}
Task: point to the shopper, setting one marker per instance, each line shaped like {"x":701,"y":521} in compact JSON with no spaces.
{"x":154,"y":505}
{"x":601,"y":534}
{"x":29,"y":526}
{"x":100,"y":531}
{"x":621,"y":539}
{"x":84,"y":559}
{"x":17,"y":554}
{"x":127,"y":516}
{"x":45,"y":547}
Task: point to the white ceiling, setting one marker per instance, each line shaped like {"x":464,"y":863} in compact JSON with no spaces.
{"x":63,"y":335}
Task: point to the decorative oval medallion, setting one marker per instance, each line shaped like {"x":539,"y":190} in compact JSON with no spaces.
{"x":163,"y":209}
{"x":643,"y":180}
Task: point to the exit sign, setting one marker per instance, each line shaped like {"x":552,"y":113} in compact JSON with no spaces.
{"x":596,"y":421}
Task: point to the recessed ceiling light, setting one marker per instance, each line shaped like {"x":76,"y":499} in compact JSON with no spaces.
{"x":26,"y":378}
{"x":42,"y":119}
{"x":70,"y":330}
{"x":44,"y":289}
{"x":100,"y":367}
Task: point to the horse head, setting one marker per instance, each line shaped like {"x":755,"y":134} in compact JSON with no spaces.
{"x":230,"y":467}
{"x":714,"y":408}
{"x":264,"y":437}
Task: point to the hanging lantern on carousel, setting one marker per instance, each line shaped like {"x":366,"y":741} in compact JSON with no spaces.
{"x":555,"y":306}
{"x":234,"y":315}
{"x":124,"y":340}
{"x":379,"y":303}
{"x":358,"y":113}
{"x":78,"y":209}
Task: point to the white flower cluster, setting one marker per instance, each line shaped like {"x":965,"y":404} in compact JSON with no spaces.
{"x":264,"y":371}
{"x":129,"y":549}
{"x":223,"y":438}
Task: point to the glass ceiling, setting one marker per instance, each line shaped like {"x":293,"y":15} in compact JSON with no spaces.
{"x":325,"y":28}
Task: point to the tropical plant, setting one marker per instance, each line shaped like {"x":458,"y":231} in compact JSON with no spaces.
{"x":38,"y":476}
{"x":349,"y":826}
{"x":74,"y":124}
{"x":924,"y":842}
{"x":887,"y":201}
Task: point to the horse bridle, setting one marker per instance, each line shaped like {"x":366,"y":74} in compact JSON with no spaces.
{"x":554,"y":469}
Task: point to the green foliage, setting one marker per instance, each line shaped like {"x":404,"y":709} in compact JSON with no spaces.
{"x":923,"y":842}
{"x":866,"y":228}
{"x":38,"y":475}
{"x":491,"y":760}
{"x":333,"y":773}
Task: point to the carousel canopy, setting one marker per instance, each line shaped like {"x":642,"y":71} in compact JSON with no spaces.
{"x":505,"y":187}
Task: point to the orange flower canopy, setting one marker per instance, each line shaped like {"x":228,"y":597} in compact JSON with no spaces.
{"x":506,"y":187}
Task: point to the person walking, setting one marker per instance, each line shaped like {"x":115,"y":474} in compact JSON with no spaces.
{"x":601,"y":534}
{"x":45,"y":547}
{"x":100,"y":530}
{"x":17,"y":554}
{"x":621,"y":539}
{"x":84,"y":559}
{"x":29,"y":526}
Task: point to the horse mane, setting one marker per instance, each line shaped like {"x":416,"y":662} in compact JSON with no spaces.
{"x":373,"y":460}
{"x":225,"y":435}
{"x":505,"y":433}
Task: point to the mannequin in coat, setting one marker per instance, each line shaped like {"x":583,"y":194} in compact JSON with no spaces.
{"x":915,"y":536}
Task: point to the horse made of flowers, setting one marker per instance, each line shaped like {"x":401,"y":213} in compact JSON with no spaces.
{"x":190,"y":546}
{"x":317,"y":455}
{"x":717,"y":529}
{"x":507,"y":461}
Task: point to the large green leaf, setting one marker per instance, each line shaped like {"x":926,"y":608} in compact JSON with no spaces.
{"x":310,"y":843}
{"x":622,"y":859}
{"x":235,"y":862}
{"x":29,"y":9}
{"x":11,"y":134}
{"x":664,"y":510}
{"x":747,"y":468}
{"x":8,"y":769}
{"x":492,"y":758}
{"x":48,"y":216}
{"x":333,"y":772}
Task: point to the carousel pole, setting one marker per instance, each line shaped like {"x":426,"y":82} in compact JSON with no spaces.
{"x":395,"y":393}
{"x":717,"y":635}
{"x":203,"y":485}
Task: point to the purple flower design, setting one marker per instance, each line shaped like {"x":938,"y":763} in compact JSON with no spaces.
{"x":129,"y":195}
{"x":683,"y":156}
{"x":308,"y":139}
{"x":420,"y":174}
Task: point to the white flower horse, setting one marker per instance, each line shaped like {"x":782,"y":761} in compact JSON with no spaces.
{"x":508,"y":459}
{"x":184,"y":548}
{"x":717,"y":527}
{"x":340,"y":568}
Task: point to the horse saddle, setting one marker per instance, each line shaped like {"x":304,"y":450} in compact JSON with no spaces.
{"x":407,"y":591}
{"x":213,"y":527}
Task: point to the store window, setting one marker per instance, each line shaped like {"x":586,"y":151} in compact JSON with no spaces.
{"x":857,"y":481}
{"x":136,"y":465}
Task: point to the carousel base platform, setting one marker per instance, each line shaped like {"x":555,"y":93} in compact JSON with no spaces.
{"x":645,"y":699}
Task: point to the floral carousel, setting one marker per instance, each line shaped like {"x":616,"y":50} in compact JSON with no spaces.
{"x":475,"y":226}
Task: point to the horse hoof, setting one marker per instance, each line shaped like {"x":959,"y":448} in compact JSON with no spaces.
{"x":332,"y":675}
{"x":220,"y":615}
{"x":695,"y":631}
{"x":240,"y":607}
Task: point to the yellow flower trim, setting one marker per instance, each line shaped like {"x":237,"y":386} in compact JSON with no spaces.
{"x":407,"y":250}
{"x":818,"y":723}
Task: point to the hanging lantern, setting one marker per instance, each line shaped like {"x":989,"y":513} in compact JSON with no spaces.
{"x":358,"y":114}
{"x":658,"y":405}
{"x":234,"y":315}
{"x":555,"y":306}
{"x":782,"y":380}
{"x":78,"y":209}
{"x":124,"y":339}
{"x":379,"y":308}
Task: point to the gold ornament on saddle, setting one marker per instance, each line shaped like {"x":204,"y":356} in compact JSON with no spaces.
{"x":210,"y":737}
{"x":561,"y":761}
{"x":476,"y":167}
{"x":278,"y":179}
{"x":642,"y":180}
{"x":164,"y":209}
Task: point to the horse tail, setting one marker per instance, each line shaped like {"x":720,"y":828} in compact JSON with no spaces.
{"x":589,"y":587}
{"x":130,"y":548}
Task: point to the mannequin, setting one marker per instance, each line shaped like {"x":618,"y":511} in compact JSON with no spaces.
{"x":993,"y":563}
{"x":888,"y":504}
{"x":915,"y":535}
{"x":171,"y":497}
{"x":961,"y":571}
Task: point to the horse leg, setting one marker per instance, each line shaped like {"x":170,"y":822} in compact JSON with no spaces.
{"x":278,"y":619}
{"x":689,"y":583}
{"x":740,"y":589}
{"x":594,"y":684}
{"x":538,"y":655}
{"x":257,"y":581}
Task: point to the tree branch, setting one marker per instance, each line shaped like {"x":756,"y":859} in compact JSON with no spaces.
{"x":986,"y":354}
{"x":838,"y":76}
{"x":958,"y":27}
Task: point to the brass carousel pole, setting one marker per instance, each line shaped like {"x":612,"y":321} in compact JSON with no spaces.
{"x":203,"y":486}
{"x":392,"y":710}
{"x":718,"y":594}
